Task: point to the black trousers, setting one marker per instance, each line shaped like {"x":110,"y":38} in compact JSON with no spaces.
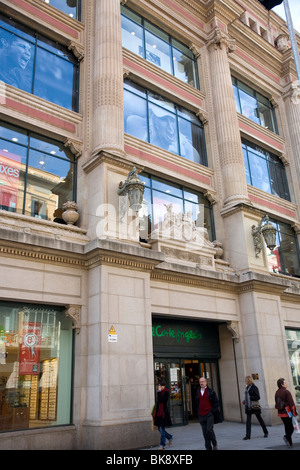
{"x":260,"y":420}
{"x":207,"y":425}
{"x":288,"y":428}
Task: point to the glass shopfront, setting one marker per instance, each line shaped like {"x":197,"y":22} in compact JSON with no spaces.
{"x":184,"y":351}
{"x":35,"y":366}
{"x":293,"y":342}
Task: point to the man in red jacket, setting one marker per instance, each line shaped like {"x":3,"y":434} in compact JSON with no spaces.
{"x":207,"y":406}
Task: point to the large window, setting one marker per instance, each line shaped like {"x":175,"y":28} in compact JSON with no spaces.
{"x":293,"y":341}
{"x":36,"y":175}
{"x":154,"y":119}
{"x":35,"y":366}
{"x":253,"y":105}
{"x":285,"y":258}
{"x":153,"y":44}
{"x":159,"y":194}
{"x":265,"y":170}
{"x":70,"y":7}
{"x":35,"y":64}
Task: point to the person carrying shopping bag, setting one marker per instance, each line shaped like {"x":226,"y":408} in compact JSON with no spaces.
{"x":285,"y":405}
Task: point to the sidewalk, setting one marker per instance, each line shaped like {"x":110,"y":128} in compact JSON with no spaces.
{"x":229,"y":437}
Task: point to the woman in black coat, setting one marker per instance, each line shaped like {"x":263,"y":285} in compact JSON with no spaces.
{"x":161,"y":415}
{"x":252,"y":395}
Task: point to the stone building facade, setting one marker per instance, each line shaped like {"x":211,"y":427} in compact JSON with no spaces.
{"x":97,"y":306}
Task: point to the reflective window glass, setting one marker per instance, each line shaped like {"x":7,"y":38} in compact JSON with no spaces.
{"x":36,"y":175}
{"x":254,"y":106}
{"x":154,"y":119}
{"x":35,"y":366}
{"x":265,"y":170}
{"x":153,"y":44}
{"x":38,"y":65}
{"x":158,"y":52}
{"x":284,"y":258}
{"x":161,"y":197}
{"x":70,"y":7}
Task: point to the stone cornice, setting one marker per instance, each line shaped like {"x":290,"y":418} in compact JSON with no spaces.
{"x":138,"y":258}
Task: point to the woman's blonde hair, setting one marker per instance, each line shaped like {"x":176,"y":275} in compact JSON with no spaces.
{"x":249,"y":379}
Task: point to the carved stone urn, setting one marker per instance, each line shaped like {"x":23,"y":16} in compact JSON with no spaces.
{"x":70,"y":212}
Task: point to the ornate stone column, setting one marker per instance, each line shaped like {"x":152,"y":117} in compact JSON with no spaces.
{"x":292,"y":106}
{"x":108,"y":125}
{"x":227,"y":129}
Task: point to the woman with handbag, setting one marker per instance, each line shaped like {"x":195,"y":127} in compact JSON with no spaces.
{"x":252,"y":406}
{"x":285,"y":405}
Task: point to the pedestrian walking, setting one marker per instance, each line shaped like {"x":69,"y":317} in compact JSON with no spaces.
{"x":207,"y":405}
{"x":161,"y":415}
{"x":252,"y":407}
{"x":285,"y":405}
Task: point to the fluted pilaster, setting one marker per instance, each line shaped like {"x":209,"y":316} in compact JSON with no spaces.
{"x":228,"y":135}
{"x":108,"y":125}
{"x":292,"y":106}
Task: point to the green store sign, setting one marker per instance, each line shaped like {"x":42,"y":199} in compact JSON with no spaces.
{"x":185,"y":337}
{"x":179,"y":335}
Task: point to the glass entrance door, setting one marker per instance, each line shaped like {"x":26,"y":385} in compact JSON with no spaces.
{"x":182,"y":378}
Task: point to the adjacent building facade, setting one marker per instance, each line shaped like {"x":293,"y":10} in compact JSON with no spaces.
{"x":145,"y":147}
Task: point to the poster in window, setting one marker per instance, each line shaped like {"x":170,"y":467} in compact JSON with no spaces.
{"x":9,"y":179}
{"x":30,"y":347}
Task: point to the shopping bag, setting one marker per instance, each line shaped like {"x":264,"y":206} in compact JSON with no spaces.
{"x":296,"y":424}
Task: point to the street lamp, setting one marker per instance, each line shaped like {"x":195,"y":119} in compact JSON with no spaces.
{"x":268,"y":231}
{"x":134,"y":189}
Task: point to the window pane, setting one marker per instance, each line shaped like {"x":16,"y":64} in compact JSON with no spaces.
{"x":167,"y":201}
{"x":132,"y":36}
{"x":35,"y":366}
{"x":49,"y":185}
{"x":158,"y":52}
{"x":17,"y":59}
{"x":184,"y":68}
{"x":135,"y":115}
{"x":41,"y":67}
{"x":190,"y":141}
{"x":163,"y":128}
{"x":32,"y":165}
{"x":54,"y":79}
{"x":259,"y":172}
{"x":70,"y":7}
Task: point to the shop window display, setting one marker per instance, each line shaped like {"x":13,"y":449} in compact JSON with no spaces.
{"x":37,"y":65}
{"x":35,"y":366}
{"x":37,"y":175}
{"x":293,"y":342}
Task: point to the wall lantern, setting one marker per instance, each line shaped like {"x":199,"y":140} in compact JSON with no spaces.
{"x":269,"y":233}
{"x":134,"y":189}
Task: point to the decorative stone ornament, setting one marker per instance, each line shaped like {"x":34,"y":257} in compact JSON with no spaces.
{"x":70,"y":212}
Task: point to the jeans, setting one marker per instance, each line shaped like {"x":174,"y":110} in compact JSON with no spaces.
{"x":207,"y":424}
{"x":163,"y":435}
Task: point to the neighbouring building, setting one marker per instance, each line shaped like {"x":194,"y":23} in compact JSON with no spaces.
{"x":149,"y":150}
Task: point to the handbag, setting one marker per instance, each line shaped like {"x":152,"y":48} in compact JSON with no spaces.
{"x":255,"y":406}
{"x":296,"y":424}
